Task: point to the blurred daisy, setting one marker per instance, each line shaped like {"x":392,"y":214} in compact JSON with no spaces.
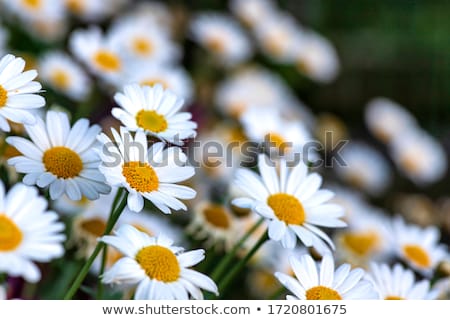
{"x":398,"y":283}
{"x":151,"y":11}
{"x":291,"y":201}
{"x":64,"y":205}
{"x":387,"y":119}
{"x":352,"y":201}
{"x":222,"y":36}
{"x":358,"y":157}
{"x":98,"y":53}
{"x":61,"y":157}
{"x":419,"y":156}
{"x":175,"y":79}
{"x":314,"y":282}
{"x":150,"y":173}
{"x":418,"y":247}
{"x":93,"y":10}
{"x":158,"y":269}
{"x":36,"y":9}
{"x":64,"y":75}
{"x":28,"y":232}
{"x":18,"y":96}
{"x":252,"y":12}
{"x":156,"y":111}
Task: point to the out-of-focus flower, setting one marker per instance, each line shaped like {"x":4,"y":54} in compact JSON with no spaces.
{"x":352,"y":201}
{"x":158,"y":269}
{"x":330,"y":128}
{"x":291,"y":201}
{"x":418,"y":247}
{"x":252,"y":12}
{"x":358,"y":157}
{"x":151,"y":12}
{"x":18,"y":98}
{"x":64,"y":75}
{"x":61,"y":157}
{"x":398,"y":283}
{"x":387,"y":119}
{"x":419,"y":156}
{"x":418,"y":209}
{"x":313,"y":282}
{"x":222,"y":36}
{"x":93,"y":10}
{"x":36,"y":9}
{"x":28,"y":232}
{"x":155,"y":111}
{"x":149,"y":173}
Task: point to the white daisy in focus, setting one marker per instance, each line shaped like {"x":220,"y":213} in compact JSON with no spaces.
{"x":222,"y":36}
{"x":159,"y":270}
{"x":175,"y":79}
{"x":28,"y":232}
{"x":419,"y":156}
{"x":314,"y":282}
{"x":291,"y":201}
{"x":252,"y":12}
{"x":398,"y":283}
{"x":18,"y":97}
{"x":418,"y":247}
{"x":150,"y":173}
{"x":94,"y":10}
{"x":357,"y":157}
{"x":64,"y":75}
{"x":62,"y":158}
{"x":155,"y":111}
{"x":98,"y":53}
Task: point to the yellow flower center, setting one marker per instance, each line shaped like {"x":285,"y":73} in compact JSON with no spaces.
{"x":10,"y":234}
{"x":287,"y":208}
{"x":216,"y":44}
{"x":393,"y":298}
{"x":217,"y":216}
{"x":151,"y":120}
{"x":417,"y":255}
{"x":3,"y":96}
{"x":32,"y":4}
{"x":107,"y":61}
{"x":140,"y":176}
{"x":277,"y":141}
{"x":142,"y":46}
{"x":322,"y":293}
{"x":276,"y":43}
{"x":153,"y":81}
{"x":159,"y":263}
{"x":75,"y":6}
{"x":410,"y":161}
{"x":60,"y":79}
{"x":62,"y":162}
{"x":361,"y":243}
{"x":94,"y":226}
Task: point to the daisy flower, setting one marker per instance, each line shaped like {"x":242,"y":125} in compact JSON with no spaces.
{"x":149,"y":173}
{"x":93,"y":10}
{"x":222,"y":36}
{"x":418,"y":247}
{"x":398,"y":283}
{"x":28,"y":232}
{"x":60,"y":72}
{"x":18,"y":96}
{"x":314,"y":282}
{"x":158,"y":269}
{"x":357,"y":157}
{"x":155,"y":12}
{"x":36,"y":9}
{"x":291,"y":201}
{"x":155,"y":111}
{"x":252,"y":12}
{"x":61,"y":157}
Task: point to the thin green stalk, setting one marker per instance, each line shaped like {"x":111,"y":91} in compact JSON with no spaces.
{"x":226,"y":281}
{"x":225,"y":262}
{"x":102,"y":270}
{"x":114,"y":216}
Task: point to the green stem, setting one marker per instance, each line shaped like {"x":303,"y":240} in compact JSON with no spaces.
{"x":102,"y":270}
{"x":114,"y":216}
{"x":226,"y":281}
{"x":225,"y":262}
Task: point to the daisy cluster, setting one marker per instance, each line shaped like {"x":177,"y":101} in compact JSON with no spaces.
{"x":148,"y":151}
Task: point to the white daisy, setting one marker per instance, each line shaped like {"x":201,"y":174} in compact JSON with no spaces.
{"x":61,"y":157}
{"x":358,"y":157}
{"x":64,"y":75}
{"x":36,"y":9}
{"x":314,"y":282}
{"x":176,"y":79}
{"x":158,"y":269}
{"x":93,"y":10}
{"x":18,"y":96}
{"x":222,"y":36}
{"x":418,"y":247}
{"x":149,"y":173}
{"x":252,"y":12}
{"x":419,"y":156}
{"x":398,"y":283}
{"x":28,"y":232}
{"x":155,"y":111}
{"x":387,"y":119}
{"x":291,"y":201}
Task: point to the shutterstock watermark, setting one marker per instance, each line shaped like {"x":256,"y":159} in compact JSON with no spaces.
{"x":215,"y":153}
